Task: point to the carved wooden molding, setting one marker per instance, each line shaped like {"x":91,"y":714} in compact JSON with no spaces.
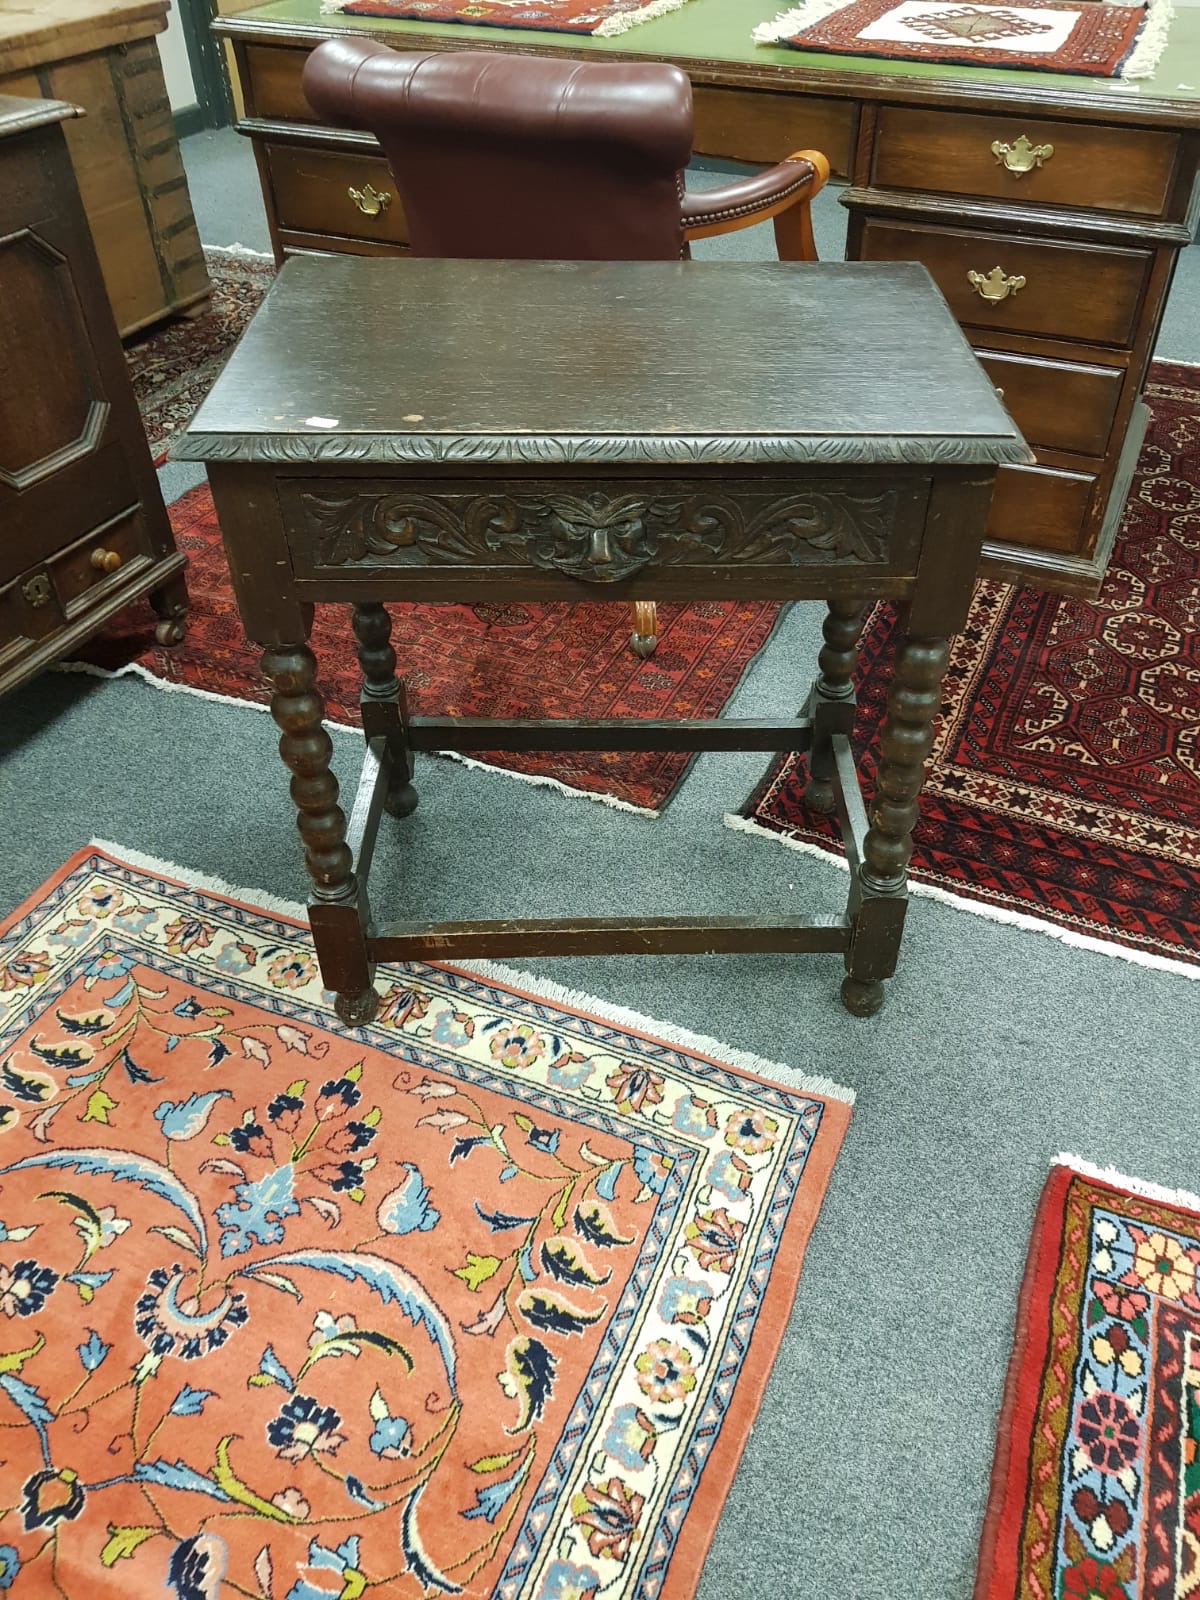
{"x":386,"y":449}
{"x":601,"y":536}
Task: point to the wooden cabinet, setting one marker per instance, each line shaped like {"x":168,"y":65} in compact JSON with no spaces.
{"x":101,"y":55}
{"x":83,"y":529}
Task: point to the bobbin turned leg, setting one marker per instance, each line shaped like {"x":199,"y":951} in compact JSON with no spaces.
{"x":882,"y":887}
{"x":831,"y":703}
{"x":334,"y":913}
{"x":644,"y":638}
{"x":383,"y":700}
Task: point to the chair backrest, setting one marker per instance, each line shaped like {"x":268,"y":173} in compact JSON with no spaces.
{"x":508,"y":156}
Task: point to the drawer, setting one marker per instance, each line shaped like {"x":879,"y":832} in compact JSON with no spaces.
{"x":1071,"y":291}
{"x":271,"y":83}
{"x":88,"y":566}
{"x":1044,"y":507}
{"x":312,"y":193}
{"x":1060,"y":405}
{"x":1025,"y":160}
{"x":742,"y":125}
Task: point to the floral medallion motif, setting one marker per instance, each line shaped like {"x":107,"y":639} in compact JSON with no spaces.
{"x":450,"y":1305}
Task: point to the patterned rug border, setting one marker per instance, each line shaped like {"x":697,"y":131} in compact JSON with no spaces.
{"x":527,"y":984}
{"x":922,"y":888}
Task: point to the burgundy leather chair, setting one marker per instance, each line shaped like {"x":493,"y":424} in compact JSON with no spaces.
{"x":512,"y":157}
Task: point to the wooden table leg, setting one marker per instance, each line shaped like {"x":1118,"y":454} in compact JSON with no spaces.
{"x":306,"y":748}
{"x":384,"y":692}
{"x":882,"y":886}
{"x":832,"y":701}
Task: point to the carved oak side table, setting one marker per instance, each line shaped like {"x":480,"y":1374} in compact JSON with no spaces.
{"x":415,"y":430}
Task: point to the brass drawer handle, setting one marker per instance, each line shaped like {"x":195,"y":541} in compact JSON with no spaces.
{"x":994,"y":285}
{"x":106,"y":560}
{"x":369,"y":200}
{"x":1020,"y":156}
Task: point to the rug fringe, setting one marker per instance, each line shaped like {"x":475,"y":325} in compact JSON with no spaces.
{"x":613,"y":27}
{"x":495,"y":972}
{"x":786,"y":23}
{"x":134,"y":669}
{"x":1002,"y":914}
{"x":702,"y":1044}
{"x":1142,"y":61}
{"x":241,"y":252}
{"x":1149,"y":1191}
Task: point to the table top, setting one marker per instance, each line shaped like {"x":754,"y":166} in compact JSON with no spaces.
{"x":706,"y":33}
{"x":377,"y":359}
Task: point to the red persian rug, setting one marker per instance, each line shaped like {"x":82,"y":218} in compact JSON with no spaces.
{"x":480,"y":1300}
{"x":1096,"y":1484}
{"x":1040,"y":35}
{"x":1064,"y":782}
{"x":471,"y":661}
{"x":601,"y":18}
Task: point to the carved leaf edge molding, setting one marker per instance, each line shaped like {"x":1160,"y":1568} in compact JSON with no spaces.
{"x":648,"y":449}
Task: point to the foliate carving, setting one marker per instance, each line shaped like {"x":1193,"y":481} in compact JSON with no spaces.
{"x":600,"y":536}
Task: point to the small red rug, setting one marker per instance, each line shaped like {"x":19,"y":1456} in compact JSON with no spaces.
{"x":1096,"y":40}
{"x":471,"y":661}
{"x":601,"y":18}
{"x":1065,"y":776}
{"x":480,"y":1300}
{"x":1096,"y":1484}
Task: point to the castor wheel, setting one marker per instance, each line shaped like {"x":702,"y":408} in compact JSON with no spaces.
{"x":356,"y":1010}
{"x":818,"y":796}
{"x":862,"y":998}
{"x":401,"y":802}
{"x":170,"y":631}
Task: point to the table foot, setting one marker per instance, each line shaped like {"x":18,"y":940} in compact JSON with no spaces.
{"x":643,"y":641}
{"x":862,"y":997}
{"x":171,"y":604}
{"x":401,"y":800}
{"x":357,"y":1010}
{"x":818,"y":796}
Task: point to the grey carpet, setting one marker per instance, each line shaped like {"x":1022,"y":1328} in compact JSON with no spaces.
{"x":866,"y":1472}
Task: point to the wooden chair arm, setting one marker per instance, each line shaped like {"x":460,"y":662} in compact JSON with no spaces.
{"x":783,"y":192}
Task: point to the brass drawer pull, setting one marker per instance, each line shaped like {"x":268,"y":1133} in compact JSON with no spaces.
{"x":1020,"y":156}
{"x":369,"y":200}
{"x":106,"y":560}
{"x":994,"y":285}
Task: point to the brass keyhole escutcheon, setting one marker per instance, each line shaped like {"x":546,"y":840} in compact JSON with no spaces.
{"x":106,"y":560}
{"x":1021,"y":156}
{"x":369,"y":200}
{"x":995,"y":285}
{"x":37,"y":590}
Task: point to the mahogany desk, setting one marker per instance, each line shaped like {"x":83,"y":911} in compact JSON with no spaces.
{"x":586,"y":431}
{"x":1082,"y":188}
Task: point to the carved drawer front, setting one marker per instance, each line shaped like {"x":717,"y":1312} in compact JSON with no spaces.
{"x":1045,"y":508}
{"x":103,"y":561}
{"x":1059,"y":405}
{"x":1022,"y":285}
{"x":324,"y":191}
{"x":271,"y":83}
{"x":601,"y":535}
{"x":1025,"y":160}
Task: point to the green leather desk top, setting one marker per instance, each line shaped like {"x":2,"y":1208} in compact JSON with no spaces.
{"x":719,"y":31}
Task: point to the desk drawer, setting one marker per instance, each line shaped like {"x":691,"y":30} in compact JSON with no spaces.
{"x":746,"y":125}
{"x":1025,"y":160}
{"x":1059,"y":405}
{"x":271,"y":83}
{"x":1070,"y":291}
{"x":106,"y":558}
{"x":312,"y":193}
{"x":1042,"y":507}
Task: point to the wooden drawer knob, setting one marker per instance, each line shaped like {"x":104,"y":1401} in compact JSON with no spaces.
{"x":369,"y":200}
{"x":106,"y":560}
{"x":1020,"y":156}
{"x":995,"y":285}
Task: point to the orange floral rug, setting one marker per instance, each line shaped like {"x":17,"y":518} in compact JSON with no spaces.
{"x":480,"y":1300}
